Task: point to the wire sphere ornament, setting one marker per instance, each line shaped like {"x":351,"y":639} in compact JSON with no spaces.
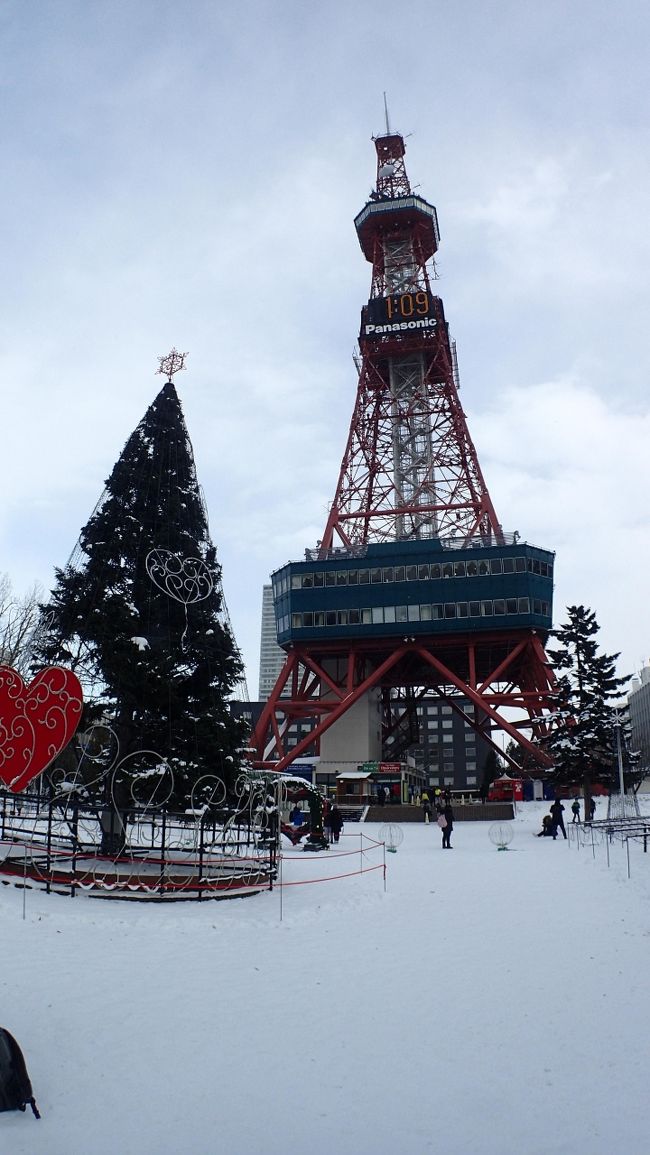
{"x":208,"y":793}
{"x":501,"y":834}
{"x":392,"y":835}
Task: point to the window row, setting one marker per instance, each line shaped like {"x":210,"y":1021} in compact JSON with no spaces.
{"x":386,"y":615}
{"x":485,"y":567}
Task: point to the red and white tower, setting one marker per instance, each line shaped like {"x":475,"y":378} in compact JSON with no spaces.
{"x":410,"y":469}
{"x":414,"y":587}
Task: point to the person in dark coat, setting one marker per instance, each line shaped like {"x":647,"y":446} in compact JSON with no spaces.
{"x":547,"y":827}
{"x":336,"y":822}
{"x":448,"y":815}
{"x":557,"y":810}
{"x":575,"y":810}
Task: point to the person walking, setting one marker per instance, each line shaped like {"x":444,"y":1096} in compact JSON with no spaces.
{"x":575,"y":810}
{"x":336,"y":822}
{"x":327,"y":810}
{"x":446,"y":823}
{"x":557,"y":810}
{"x":426,"y":806}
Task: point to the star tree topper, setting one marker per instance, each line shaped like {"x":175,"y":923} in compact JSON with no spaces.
{"x":172,"y":363}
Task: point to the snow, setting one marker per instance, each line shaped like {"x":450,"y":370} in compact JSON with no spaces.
{"x":487,"y":1002}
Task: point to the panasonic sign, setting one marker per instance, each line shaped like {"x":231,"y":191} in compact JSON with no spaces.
{"x":399,"y":327}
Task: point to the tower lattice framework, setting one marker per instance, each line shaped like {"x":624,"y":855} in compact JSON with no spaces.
{"x":410,"y":488}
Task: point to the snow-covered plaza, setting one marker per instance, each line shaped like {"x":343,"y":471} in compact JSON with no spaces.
{"x":480,"y":1002}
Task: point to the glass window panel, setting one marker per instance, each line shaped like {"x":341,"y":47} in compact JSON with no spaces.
{"x":296,"y":621}
{"x":352,"y":577}
{"x":536,"y":565}
{"x":499,"y":606}
{"x":524,"y":605}
{"x":496,"y":565}
{"x":399,"y":573}
{"x":377,"y":615}
{"x":483,"y":568}
{"x":295,"y":581}
{"x":471,"y":568}
{"x":330,"y":618}
{"x":423,"y":572}
{"x":425,"y":613}
{"x":459,"y":569}
{"x":436,"y":571}
{"x":537,"y":606}
{"x":330,"y":578}
{"x":486,"y":609}
{"x":508,"y":565}
{"x":462,"y":609}
{"x":401,"y":614}
{"x":474,"y":609}
{"x":436,"y":612}
{"x":307,"y":581}
{"x":318,"y":579}
{"x":414,"y":613}
{"x":389,"y":573}
{"x":511,"y":605}
{"x":448,"y":569}
{"x":450,"y":609}
{"x":342,"y":618}
{"x":366,"y":617}
{"x":319,"y":618}
{"x":353,"y":617}
{"x":411,"y":573}
{"x":342,"y":577}
{"x":375,"y":576}
{"x":364,"y":577}
{"x":307,"y":619}
{"x":520,"y":564}
{"x":389,"y":613}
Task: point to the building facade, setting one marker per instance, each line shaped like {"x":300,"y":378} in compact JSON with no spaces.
{"x":639,"y":708}
{"x":272,"y":657}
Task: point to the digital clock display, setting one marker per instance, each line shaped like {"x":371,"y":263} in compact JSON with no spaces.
{"x":399,"y":314}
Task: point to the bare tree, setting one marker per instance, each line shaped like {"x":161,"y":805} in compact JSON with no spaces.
{"x":18,"y":620}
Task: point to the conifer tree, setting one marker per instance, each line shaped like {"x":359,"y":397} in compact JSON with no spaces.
{"x":588,"y":686}
{"x":137,"y":612}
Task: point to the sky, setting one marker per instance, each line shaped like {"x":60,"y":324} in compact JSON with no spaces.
{"x":187,"y":176}
{"x":482,"y":1002}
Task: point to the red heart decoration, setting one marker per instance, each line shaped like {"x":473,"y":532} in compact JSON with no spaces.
{"x":36,"y":721}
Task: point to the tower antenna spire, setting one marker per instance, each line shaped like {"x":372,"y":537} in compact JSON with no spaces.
{"x":386,"y":115}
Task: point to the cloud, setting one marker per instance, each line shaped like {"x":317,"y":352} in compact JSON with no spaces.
{"x":571,"y":471}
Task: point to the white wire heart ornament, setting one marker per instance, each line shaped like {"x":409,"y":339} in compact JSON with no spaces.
{"x":185,"y":579}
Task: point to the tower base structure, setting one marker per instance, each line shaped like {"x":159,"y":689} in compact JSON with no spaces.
{"x":467,"y":623}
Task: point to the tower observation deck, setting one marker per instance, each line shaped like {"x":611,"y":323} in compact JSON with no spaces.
{"x":414,"y":587}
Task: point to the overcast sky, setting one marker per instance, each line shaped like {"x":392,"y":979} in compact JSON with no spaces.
{"x":187,"y":175}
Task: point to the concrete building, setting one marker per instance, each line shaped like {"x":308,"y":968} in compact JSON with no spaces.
{"x":638,"y":701}
{"x":272,"y":656}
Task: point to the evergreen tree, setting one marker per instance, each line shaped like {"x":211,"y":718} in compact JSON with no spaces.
{"x":583,"y":746}
{"x":492,"y":768}
{"x":137,"y":612}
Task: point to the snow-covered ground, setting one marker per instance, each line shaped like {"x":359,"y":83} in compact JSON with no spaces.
{"x":484,"y":1002}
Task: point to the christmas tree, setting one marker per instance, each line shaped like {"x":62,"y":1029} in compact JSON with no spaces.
{"x":138,"y":611}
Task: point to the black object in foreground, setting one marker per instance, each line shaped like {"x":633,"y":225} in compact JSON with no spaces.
{"x":15,"y":1086}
